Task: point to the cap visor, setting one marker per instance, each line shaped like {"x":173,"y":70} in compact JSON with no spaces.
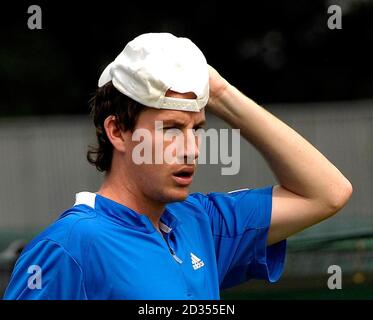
{"x":105,"y":76}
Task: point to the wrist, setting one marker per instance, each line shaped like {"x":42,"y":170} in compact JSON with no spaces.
{"x":217,"y":98}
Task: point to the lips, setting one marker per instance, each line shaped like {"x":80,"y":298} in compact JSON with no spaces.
{"x":184,"y":176}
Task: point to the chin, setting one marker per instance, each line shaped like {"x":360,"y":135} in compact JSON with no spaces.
{"x":176,"y":195}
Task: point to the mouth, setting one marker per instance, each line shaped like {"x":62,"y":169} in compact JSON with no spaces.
{"x":184,"y":176}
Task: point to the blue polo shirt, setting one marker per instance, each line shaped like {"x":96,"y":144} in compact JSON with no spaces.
{"x":100,"y":249}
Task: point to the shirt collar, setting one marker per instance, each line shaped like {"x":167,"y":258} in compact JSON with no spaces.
{"x":126,"y":216}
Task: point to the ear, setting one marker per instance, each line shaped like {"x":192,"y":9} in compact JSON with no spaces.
{"x":114,"y":133}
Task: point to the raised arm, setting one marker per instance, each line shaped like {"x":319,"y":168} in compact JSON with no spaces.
{"x":311,"y":188}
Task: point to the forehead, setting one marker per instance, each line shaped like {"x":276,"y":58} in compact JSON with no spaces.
{"x":151,"y":114}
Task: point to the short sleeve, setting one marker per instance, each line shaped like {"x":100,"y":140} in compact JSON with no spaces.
{"x":46,"y":272}
{"x":240,"y":221}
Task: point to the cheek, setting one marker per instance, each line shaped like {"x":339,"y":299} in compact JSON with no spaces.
{"x":150,"y":174}
{"x":153,"y":180}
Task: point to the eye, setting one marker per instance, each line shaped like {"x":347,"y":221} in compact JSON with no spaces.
{"x":173,"y":131}
{"x":198,"y":130}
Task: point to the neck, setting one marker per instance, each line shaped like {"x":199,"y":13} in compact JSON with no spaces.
{"x":126,"y":194}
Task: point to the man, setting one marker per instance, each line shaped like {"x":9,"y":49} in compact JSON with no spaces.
{"x":142,"y":236}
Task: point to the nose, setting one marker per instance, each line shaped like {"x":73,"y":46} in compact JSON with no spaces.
{"x":191,"y":147}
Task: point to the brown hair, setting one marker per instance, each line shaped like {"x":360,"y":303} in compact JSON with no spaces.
{"x":109,"y":101}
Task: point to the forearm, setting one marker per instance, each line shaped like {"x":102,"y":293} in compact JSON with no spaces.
{"x":298,"y":166}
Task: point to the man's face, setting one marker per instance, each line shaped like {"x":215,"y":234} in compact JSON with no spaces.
{"x":173,"y":146}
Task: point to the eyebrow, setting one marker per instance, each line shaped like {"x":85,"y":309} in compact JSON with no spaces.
{"x":182,"y":123}
{"x":201,"y":123}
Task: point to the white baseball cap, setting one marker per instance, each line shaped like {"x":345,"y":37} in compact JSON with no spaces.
{"x":153,"y":63}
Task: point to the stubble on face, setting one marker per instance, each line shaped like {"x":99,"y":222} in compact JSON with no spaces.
{"x":165,"y":182}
